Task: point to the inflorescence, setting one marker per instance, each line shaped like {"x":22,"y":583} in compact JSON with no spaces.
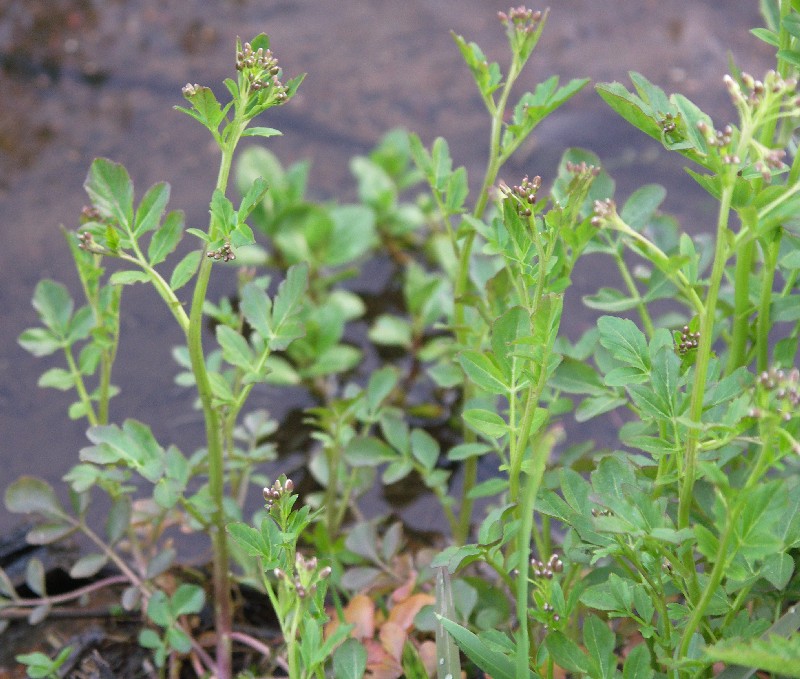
{"x":278,"y":489}
{"x":545,"y":570}
{"x":783,"y":388}
{"x":524,"y":194}
{"x":603,"y":210}
{"x":688,"y":340}
{"x":261,"y":69}
{"x":306,"y":576}
{"x":225,"y":253}
{"x":521,"y":18}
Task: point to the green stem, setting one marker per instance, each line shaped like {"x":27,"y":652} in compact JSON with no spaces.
{"x":541,"y":454}
{"x":223,"y":606}
{"x":633,"y":291}
{"x":704,"y":356}
{"x":80,"y":387}
{"x":721,"y":559}
{"x":462,"y":283}
{"x":162,"y":287}
{"x":763,"y":321}
{"x":741,"y":306}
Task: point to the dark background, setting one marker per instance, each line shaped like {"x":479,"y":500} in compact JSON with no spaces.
{"x":80,"y":79}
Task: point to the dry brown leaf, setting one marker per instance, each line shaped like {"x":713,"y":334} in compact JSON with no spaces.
{"x":360,"y":611}
{"x":393,"y":638}
{"x":427,"y":654}
{"x":380,"y":664}
{"x":404,"y":612}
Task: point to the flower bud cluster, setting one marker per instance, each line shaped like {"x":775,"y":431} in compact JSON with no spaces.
{"x":89,"y":213}
{"x":85,"y":241}
{"x":784,"y":391}
{"x":752,"y":91}
{"x":524,"y":194}
{"x":520,"y":19}
{"x":261,"y":69}
{"x":278,"y":490}
{"x":688,"y":340}
{"x":307,"y":576}
{"x":721,"y":138}
{"x":668,"y":123}
{"x":225,"y":253}
{"x":189,"y":90}
{"x":582,"y":168}
{"x":603,"y":210}
{"x":546,"y":570}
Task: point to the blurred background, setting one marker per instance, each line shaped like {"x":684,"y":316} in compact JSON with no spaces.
{"x":87,"y":78}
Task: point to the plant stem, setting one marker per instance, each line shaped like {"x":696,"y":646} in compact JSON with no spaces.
{"x":462,"y":282}
{"x":704,"y":356}
{"x":741,"y":306}
{"x":764,"y":319}
{"x":223,"y":606}
{"x":541,"y":454}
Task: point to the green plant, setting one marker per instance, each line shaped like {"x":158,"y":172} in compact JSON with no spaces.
{"x":677,"y":549}
{"x":40,"y":665}
{"x":113,"y":228}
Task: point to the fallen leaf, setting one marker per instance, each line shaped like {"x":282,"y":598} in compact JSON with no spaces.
{"x":393,"y":638}
{"x":427,"y":654}
{"x":360,"y":611}
{"x":404,"y":612}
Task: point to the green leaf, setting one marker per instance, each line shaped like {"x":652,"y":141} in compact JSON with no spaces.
{"x":389,"y":330}
{"x":133,"y":445}
{"x":166,"y":239}
{"x":40,"y":342}
{"x":367,"y":451}
{"x":119,"y":518}
{"x":88,"y":565}
{"x":349,"y":660}
{"x":128,"y":277}
{"x":642,"y":205}
{"x":187,"y":599}
{"x":256,"y":307}
{"x":774,"y":654}
{"x":45,"y":534}
{"x":491,"y":661}
{"x":31,"y":495}
{"x":111,"y":190}
{"x":250,"y":540}
{"x":235,"y":349}
{"x":261,"y":132}
{"x":769,"y":37}
{"x":185,"y":270}
{"x":158,"y":609}
{"x":35,"y":577}
{"x":424,"y":448}
{"x":465,"y":450}
{"x":286,"y":305}
{"x":205,"y":108}
{"x":152,"y":206}
{"x":57,"y":378}
{"x":566,"y":653}
{"x":486,"y":422}
{"x":625,"y":341}
{"x":484,"y":372}
{"x":54,"y":304}
{"x":599,"y":642}
{"x":638,"y":664}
